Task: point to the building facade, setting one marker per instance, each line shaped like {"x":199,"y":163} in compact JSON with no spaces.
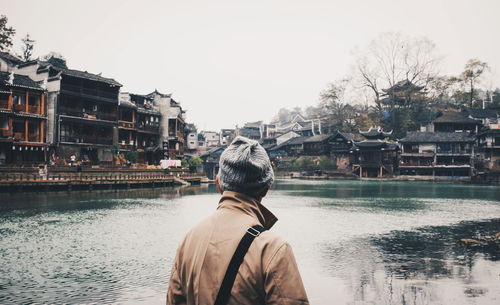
{"x":23,"y":120}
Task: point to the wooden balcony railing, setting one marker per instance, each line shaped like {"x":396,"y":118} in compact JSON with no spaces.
{"x":33,"y":137}
{"x":126,"y":146}
{"x":19,"y":136}
{"x":19,"y":107}
{"x":126,"y":124}
{"x":6,"y":133}
{"x":87,"y":139}
{"x":91,"y":92}
{"x":34,"y":109}
{"x":4,"y":104}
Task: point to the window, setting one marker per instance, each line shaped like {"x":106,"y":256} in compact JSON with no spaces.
{"x":34,"y":99}
{"x":18,"y":98}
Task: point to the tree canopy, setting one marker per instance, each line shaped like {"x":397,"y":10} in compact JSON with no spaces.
{"x":6,"y":34}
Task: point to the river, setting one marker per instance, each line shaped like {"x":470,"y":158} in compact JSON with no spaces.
{"x":356,"y":242}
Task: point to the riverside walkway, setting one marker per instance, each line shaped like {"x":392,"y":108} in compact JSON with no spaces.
{"x":29,"y":179}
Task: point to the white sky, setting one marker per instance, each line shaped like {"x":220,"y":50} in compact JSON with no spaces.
{"x":229,"y":62}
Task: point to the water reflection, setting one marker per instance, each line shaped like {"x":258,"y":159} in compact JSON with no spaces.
{"x":423,"y":266}
{"x":356,"y":242}
{"x":374,"y":189}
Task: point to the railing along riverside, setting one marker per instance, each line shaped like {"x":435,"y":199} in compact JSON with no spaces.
{"x":34,"y":175}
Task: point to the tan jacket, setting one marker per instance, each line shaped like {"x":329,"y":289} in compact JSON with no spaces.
{"x":268,"y":274}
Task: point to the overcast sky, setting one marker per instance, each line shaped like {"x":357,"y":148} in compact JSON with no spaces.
{"x":229,"y":62}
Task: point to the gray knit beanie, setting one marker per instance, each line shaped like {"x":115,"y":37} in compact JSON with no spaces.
{"x":244,"y":167}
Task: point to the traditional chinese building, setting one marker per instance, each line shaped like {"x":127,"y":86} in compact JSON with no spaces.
{"x":211,"y":161}
{"x":8,"y":62}
{"x":453,"y":121}
{"x":488,"y":141}
{"x":22,"y":120}
{"x":149,"y":147}
{"x":172,"y":125}
{"x":375,"y":156}
{"x":437,"y":154}
{"x":82,"y":111}
{"x":341,"y":145}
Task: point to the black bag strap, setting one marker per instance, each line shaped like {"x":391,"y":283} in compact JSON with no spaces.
{"x":234,"y":265}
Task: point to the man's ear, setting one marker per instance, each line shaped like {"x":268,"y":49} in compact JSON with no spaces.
{"x":218,"y":185}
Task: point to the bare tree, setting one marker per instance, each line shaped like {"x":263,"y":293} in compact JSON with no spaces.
{"x":335,"y":106}
{"x":473,"y":70}
{"x":27,"y":48}
{"x":393,"y":57}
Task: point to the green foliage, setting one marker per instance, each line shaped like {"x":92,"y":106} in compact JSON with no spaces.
{"x":326,"y":163}
{"x":131,"y":156}
{"x":302,"y":163}
{"x":6,"y":34}
{"x":192,"y":163}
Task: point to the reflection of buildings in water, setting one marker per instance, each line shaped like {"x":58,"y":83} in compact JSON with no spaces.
{"x":420,"y":267}
{"x":96,"y":199}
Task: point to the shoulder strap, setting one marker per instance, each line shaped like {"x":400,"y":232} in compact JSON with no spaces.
{"x":234,"y":265}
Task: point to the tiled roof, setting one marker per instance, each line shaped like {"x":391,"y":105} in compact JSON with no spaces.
{"x":490,"y":131}
{"x":10,"y":59}
{"x":454,"y":117}
{"x":86,"y":75}
{"x":370,"y":144}
{"x":127,"y":104}
{"x":375,"y":132}
{"x":481,"y":113}
{"x":317,"y":138}
{"x":19,"y":81}
{"x":436,"y":137}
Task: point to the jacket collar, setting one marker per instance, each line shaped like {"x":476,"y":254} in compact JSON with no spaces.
{"x":248,"y":205}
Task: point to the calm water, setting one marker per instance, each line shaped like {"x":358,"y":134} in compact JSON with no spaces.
{"x":356,"y":242}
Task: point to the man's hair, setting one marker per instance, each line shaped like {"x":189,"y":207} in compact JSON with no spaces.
{"x":244,"y":167}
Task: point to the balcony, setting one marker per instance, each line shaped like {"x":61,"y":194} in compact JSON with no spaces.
{"x":4,"y":104}
{"x":416,"y":164}
{"x":126,"y":124}
{"x":87,"y":140}
{"x":454,"y":151}
{"x":19,"y":136}
{"x":33,"y":137}
{"x":6,"y":133}
{"x":452,"y":164}
{"x":35,"y":109}
{"x":126,"y":146}
{"x":91,"y":92}
{"x":177,"y":135}
{"x":78,"y":113}
{"x":150,"y":128}
{"x":19,"y":107}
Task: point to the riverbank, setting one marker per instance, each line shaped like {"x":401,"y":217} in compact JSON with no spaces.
{"x":71,"y":178}
{"x":490,"y":178}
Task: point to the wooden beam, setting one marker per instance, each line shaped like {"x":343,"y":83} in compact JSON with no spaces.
{"x":26,"y":102}
{"x":9,"y":103}
{"x":26,"y":130}
{"x":42,"y":133}
{"x":42,"y":104}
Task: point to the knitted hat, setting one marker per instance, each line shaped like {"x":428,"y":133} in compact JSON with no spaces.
{"x":244,"y":167}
